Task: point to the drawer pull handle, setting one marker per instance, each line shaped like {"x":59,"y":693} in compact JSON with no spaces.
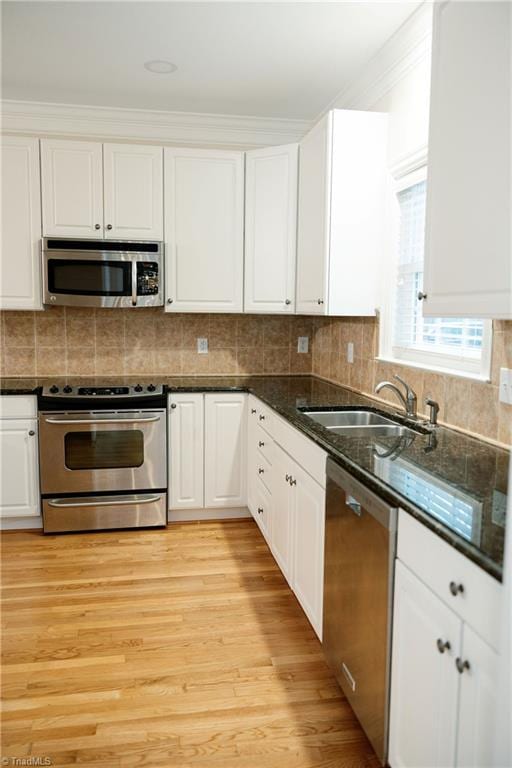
{"x":31,"y":432}
{"x":287,"y":478}
{"x":292,"y":481}
{"x":442,"y":646}
{"x":260,"y":510}
{"x":456,"y":589}
{"x":253,"y":410}
{"x":262,"y":418}
{"x":462,"y":665}
{"x":260,"y":471}
{"x":261,"y":443}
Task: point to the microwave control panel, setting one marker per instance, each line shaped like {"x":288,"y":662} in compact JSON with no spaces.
{"x":147,"y":278}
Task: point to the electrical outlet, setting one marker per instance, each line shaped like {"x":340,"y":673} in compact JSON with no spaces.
{"x":506,"y":385}
{"x":303,"y":344}
{"x":350,"y":352}
{"x":202,"y":346}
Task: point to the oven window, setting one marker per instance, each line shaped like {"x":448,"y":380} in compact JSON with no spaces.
{"x":90,"y":278}
{"x":104,"y":450}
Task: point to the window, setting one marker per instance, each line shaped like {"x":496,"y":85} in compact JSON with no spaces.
{"x":442,"y":343}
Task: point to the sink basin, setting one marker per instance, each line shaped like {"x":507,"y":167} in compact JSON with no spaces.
{"x":358,"y":423}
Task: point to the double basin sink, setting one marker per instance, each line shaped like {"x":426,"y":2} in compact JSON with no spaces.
{"x":360,"y":423}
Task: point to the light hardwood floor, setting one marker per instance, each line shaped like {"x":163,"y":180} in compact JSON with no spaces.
{"x":178,"y":648}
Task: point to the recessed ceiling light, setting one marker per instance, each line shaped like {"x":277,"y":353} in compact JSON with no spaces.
{"x":160,"y":66}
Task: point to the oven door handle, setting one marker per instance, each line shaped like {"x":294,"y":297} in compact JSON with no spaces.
{"x":62,"y":503}
{"x":135,"y":420}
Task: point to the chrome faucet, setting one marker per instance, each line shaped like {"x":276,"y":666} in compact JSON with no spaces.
{"x":409,"y":400}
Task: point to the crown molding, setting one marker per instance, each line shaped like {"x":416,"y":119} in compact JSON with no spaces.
{"x":188,"y":128}
{"x":410,"y":45}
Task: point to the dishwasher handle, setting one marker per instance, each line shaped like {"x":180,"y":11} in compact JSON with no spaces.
{"x":359,"y":499}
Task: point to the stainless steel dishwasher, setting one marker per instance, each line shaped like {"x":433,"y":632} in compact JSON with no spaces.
{"x":360,"y":542}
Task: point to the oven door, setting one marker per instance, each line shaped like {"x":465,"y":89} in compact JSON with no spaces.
{"x":90,"y":452}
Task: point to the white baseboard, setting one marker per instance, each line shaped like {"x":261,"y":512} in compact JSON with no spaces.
{"x":220,"y":513}
{"x":20,"y":523}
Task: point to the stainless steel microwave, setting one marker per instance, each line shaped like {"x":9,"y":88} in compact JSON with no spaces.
{"x":102,"y":273}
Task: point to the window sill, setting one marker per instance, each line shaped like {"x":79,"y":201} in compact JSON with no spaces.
{"x":434,"y":369}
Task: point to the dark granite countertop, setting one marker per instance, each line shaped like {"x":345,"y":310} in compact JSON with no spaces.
{"x":454,"y":484}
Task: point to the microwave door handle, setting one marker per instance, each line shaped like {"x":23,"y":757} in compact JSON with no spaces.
{"x":55,"y":420}
{"x":134,"y":283}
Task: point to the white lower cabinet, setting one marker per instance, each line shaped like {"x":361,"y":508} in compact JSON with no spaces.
{"x":19,"y":487}
{"x":186,"y":451}
{"x":207,"y":451}
{"x":444,"y":674}
{"x":288,"y":503}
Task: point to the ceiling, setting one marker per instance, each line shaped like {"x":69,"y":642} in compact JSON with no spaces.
{"x":264,"y":59}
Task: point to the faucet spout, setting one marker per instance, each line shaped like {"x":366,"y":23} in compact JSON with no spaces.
{"x":409,"y":401}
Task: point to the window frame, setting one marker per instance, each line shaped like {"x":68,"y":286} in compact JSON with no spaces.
{"x":388,"y":352}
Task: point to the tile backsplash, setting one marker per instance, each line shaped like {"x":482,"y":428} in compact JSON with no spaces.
{"x":88,"y":342}
{"x":465,"y":403}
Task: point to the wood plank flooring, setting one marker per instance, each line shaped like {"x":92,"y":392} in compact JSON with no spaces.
{"x":182,"y":648}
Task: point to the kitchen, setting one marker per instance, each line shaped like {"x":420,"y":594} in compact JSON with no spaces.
{"x":256,"y":384}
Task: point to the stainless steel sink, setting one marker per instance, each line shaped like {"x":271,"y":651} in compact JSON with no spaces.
{"x":358,"y":423}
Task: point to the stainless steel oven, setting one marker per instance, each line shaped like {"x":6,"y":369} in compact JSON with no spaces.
{"x":104,"y":466}
{"x":102,"y":273}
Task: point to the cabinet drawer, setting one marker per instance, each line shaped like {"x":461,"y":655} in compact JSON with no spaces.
{"x":263,"y":470}
{"x":478,"y":598}
{"x":262,"y":509}
{"x":18,"y":407}
{"x":263,"y":444}
{"x":303,"y":450}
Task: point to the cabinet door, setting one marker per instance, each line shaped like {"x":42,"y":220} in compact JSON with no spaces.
{"x":314,"y":218}
{"x":186,"y":451}
{"x":20,"y":274}
{"x":270,"y":229}
{"x":478,"y":703}
{"x":204,"y":230}
{"x":468,"y":271}
{"x":424,"y":681}
{"x":19,"y":489}
{"x":72,"y":188}
{"x":133,"y":184}
{"x":263,"y":510}
{"x":282,"y":500}
{"x":225,"y":450}
{"x":308,"y":546}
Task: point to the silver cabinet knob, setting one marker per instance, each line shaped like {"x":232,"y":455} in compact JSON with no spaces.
{"x":97,"y":226}
{"x":260,"y":510}
{"x":421,"y":295}
{"x":320,"y":301}
{"x":109,"y":226}
{"x":292,"y":481}
{"x":261,"y":443}
{"x":31,"y":432}
{"x":287,"y":478}
{"x":462,"y":665}
{"x":173,"y":405}
{"x":169,"y":301}
{"x":442,"y":646}
{"x":287,"y":302}
{"x":253,"y":410}
{"x":260,"y":471}
{"x":262,"y":418}
{"x":456,"y":589}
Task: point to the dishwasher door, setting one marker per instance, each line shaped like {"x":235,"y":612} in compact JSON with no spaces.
{"x":360,"y":542}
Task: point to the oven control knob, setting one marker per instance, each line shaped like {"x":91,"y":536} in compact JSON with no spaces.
{"x":138,"y":388}
{"x":54,"y":389}
{"x":151,"y":387}
{"x":67,"y":389}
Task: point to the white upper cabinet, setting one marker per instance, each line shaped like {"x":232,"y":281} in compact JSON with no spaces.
{"x":133,"y":186}
{"x":20,"y":273}
{"x":270,"y":229}
{"x":204,"y":192}
{"x":341,"y":214}
{"x":72,"y":188}
{"x":225,"y":448}
{"x":468,"y":269}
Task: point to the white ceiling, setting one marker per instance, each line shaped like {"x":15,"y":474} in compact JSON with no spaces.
{"x":263,"y":59}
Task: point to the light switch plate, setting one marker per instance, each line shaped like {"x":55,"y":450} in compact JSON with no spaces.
{"x":202,"y":346}
{"x":506,"y":385}
{"x":303,"y":344}
{"x":350,"y":352}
